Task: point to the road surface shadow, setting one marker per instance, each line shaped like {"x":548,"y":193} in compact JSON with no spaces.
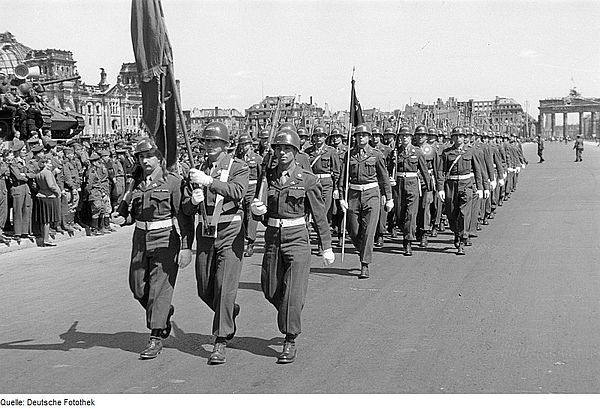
{"x":250,"y":286}
{"x":189,"y":343}
{"x":349,"y":272}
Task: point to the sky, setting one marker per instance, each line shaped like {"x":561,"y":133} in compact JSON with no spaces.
{"x":231,"y":53}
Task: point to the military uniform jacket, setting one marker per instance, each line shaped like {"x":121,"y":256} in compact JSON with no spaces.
{"x":254,"y":162}
{"x":155,"y":200}
{"x":4,"y":175}
{"x":480,"y":156}
{"x":465,"y":163}
{"x":300,"y":194}
{"x":411,"y":159}
{"x":232,"y":190}
{"x":72,"y":178}
{"x":97,"y":181}
{"x":432,"y":159}
{"x":498,"y":164}
{"x":20,"y":172}
{"x":325,"y":161}
{"x":367,"y":167}
{"x":119,"y":172}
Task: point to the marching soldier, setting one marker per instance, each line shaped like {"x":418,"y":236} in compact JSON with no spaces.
{"x":389,"y":138}
{"x":153,"y":205}
{"x":368,"y":174}
{"x":254,"y":162}
{"x":304,"y":138}
{"x":425,"y":210}
{"x":376,"y":143}
{"x":325,"y":165}
{"x":292,"y":193}
{"x":411,"y":167}
{"x":459,"y":175}
{"x":337,"y":215}
{"x":223,"y":182}
{"x":479,"y":154}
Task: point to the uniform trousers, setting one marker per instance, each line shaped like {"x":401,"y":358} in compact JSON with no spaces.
{"x":495,"y":197}
{"x":510,"y":183}
{"x":22,"y":209}
{"x":362,"y":219}
{"x":284,"y":274}
{"x":3,"y":204}
{"x":475,"y":208}
{"x":459,"y":197}
{"x":250,"y":224}
{"x":117,"y":191}
{"x":437,"y":210}
{"x":391,"y":216}
{"x":424,"y":211}
{"x":407,"y":206}
{"x":152,"y":275}
{"x":486,"y":207}
{"x":101,"y":205}
{"x":218,"y":269}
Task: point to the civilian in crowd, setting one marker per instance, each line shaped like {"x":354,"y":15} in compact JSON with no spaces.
{"x":48,"y":200}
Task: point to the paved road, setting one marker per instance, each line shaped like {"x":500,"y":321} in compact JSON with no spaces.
{"x":519,"y":313}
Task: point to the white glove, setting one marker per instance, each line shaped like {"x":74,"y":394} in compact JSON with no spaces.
{"x":493,"y":184}
{"x":501,"y":182}
{"x":185,"y":257}
{"x":116,"y":218}
{"x":442,"y":195}
{"x":486,"y":193}
{"x":480,"y":194}
{"x":258,"y":208}
{"x":518,"y":169}
{"x":343,"y":205}
{"x":197,"y":196}
{"x":389,"y":205}
{"x":336,"y":194}
{"x":504,"y":175}
{"x":328,"y":257}
{"x":199,"y":177}
{"x":523,"y":165}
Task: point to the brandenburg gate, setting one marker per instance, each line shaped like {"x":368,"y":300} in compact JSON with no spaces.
{"x":574,"y":103}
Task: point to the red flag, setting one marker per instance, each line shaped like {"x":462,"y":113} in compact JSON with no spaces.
{"x":154,"y":61}
{"x":356,"y":116}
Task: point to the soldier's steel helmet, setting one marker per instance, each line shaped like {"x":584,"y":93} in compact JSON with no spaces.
{"x":145,"y":145}
{"x":404,"y":130}
{"x":362,"y":128}
{"x":216,"y":131}
{"x":264,"y":134}
{"x":319,"y":130}
{"x":244,"y":138}
{"x":302,"y":132}
{"x":287,"y":137}
{"x":420,"y":130}
{"x":432,"y":131}
{"x":286,"y":125}
{"x":336,"y":132}
{"x":376,"y":131}
{"x":389,"y":131}
{"x":459,"y":130}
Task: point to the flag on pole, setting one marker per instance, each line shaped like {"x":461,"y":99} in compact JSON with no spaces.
{"x":154,"y":61}
{"x":356,"y":115}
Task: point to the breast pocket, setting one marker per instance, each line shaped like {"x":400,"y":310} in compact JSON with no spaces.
{"x":295,"y":200}
{"x":326,"y":163}
{"x":137,"y":203}
{"x":370,"y":165}
{"x":465,"y":162}
{"x":161,"y":203}
{"x":272,"y":199}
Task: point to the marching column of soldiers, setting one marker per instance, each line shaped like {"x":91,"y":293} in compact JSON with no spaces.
{"x":416,"y":183}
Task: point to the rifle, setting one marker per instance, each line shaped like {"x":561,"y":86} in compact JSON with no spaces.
{"x":262,"y":183}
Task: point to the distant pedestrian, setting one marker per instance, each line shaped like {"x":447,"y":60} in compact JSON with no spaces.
{"x":540,"y":148}
{"x":578,"y":146}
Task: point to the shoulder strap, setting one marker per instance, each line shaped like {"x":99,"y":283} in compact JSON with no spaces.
{"x":219,"y":199}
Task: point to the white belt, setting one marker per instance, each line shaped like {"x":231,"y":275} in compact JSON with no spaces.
{"x":286,"y":222}
{"x":511,"y":169}
{"x":323,"y":175}
{"x":226,"y":218}
{"x":364,"y":187}
{"x":460,"y":177}
{"x":252,"y":182}
{"x":407,"y":174}
{"x":160,"y":224}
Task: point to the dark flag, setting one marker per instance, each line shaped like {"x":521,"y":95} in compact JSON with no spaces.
{"x":154,"y":61}
{"x":356,"y":116}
